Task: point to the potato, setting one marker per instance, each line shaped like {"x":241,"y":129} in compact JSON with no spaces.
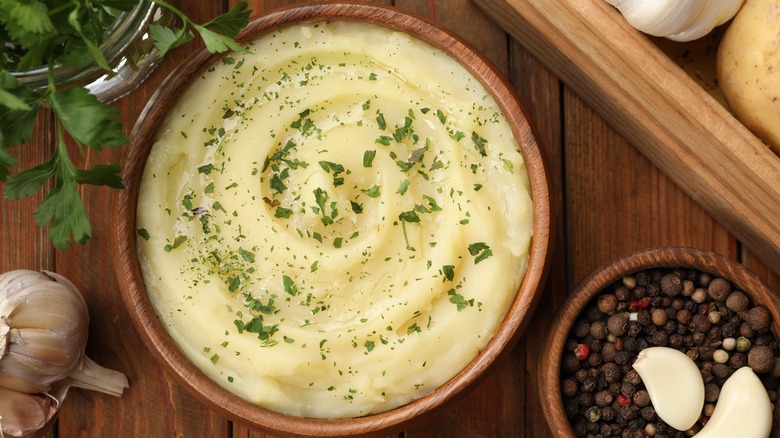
{"x":748,"y":68}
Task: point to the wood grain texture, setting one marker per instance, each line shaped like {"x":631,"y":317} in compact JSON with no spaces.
{"x":661,"y":110}
{"x":610,"y":199}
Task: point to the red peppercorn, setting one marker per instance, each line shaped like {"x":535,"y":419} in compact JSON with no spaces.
{"x":623,"y":400}
{"x":582,"y":351}
{"x":619,"y":344}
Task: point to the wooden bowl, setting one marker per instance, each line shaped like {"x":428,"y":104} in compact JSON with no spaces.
{"x":225,"y":403}
{"x":549,"y":380}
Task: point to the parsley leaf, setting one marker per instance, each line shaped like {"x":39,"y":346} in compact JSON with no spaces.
{"x":88,"y":121}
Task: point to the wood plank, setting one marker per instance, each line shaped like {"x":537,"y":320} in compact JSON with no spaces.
{"x":659,"y":109}
{"x":539,"y":92}
{"x":24,"y":245}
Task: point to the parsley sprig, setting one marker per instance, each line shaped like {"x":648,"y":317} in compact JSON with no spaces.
{"x":53,"y":33}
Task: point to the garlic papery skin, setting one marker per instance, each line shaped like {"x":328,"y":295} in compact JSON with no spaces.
{"x":674,"y":384}
{"x":678,"y":20}
{"x":744,"y":409}
{"x":44,"y":324}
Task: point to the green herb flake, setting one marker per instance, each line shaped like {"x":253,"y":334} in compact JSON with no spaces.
{"x":283,"y":213}
{"x":409,"y":216}
{"x":403,"y":187}
{"x":449,"y":272}
{"x":459,"y":301}
{"x":215,"y":359}
{"x":246,"y":255}
{"x":368,"y":158}
{"x":289,"y":285}
{"x":479,"y":143}
{"x":480,"y":250}
{"x":380,"y":120}
{"x":144,"y":233}
{"x":373,"y":191}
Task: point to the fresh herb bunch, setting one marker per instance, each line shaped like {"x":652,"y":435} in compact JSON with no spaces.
{"x":53,"y":33}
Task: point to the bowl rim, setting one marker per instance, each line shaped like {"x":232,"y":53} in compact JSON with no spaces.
{"x":156,"y":338}
{"x":548,"y":380}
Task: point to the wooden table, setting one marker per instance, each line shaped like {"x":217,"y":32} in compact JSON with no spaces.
{"x":610,"y":200}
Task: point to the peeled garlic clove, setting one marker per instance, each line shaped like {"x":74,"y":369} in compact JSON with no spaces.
{"x":674,"y":384}
{"x":22,"y":415}
{"x":743,"y":409}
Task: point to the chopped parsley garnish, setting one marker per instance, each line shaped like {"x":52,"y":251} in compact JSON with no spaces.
{"x":368,"y":158}
{"x":480,"y":250}
{"x":373,"y":191}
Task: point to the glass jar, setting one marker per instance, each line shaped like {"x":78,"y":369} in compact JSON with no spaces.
{"x":128,"y":49}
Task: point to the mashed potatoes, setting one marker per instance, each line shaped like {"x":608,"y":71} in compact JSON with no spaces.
{"x":335,"y":223}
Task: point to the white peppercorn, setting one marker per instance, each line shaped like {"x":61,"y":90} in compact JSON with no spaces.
{"x":720,"y":356}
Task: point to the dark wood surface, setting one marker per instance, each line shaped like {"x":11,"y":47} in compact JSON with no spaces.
{"x":610,"y":200}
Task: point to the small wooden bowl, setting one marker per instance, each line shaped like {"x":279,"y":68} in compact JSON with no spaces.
{"x":549,"y":380}
{"x":238,"y":409}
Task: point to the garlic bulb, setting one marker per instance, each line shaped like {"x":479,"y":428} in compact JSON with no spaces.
{"x":43,"y":333}
{"x":678,"y":20}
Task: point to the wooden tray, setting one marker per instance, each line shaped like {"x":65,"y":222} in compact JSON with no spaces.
{"x":661,"y":110}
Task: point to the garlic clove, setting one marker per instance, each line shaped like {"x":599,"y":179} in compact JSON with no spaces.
{"x":23,"y":415}
{"x":679,"y":20}
{"x":674,"y":384}
{"x":710,"y":18}
{"x":743,"y":409}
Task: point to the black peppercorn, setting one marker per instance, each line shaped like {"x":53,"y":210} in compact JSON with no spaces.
{"x":598,"y":329}
{"x":633,"y":378}
{"x":611,"y":372}
{"x":571,"y":407}
{"x":660,"y":338}
{"x":700,"y":323}
{"x":711,"y":392}
{"x":641,"y":398}
{"x":648,"y":413}
{"x":568,"y":387}
{"x":581,"y":328}
{"x":569,"y":363}
{"x":721,"y":370}
{"x":603,"y":398}
{"x":618,"y":323}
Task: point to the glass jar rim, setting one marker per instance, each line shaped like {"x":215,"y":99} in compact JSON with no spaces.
{"x":120,"y":35}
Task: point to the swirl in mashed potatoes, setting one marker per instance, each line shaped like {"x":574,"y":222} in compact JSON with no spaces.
{"x":335,"y":223}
